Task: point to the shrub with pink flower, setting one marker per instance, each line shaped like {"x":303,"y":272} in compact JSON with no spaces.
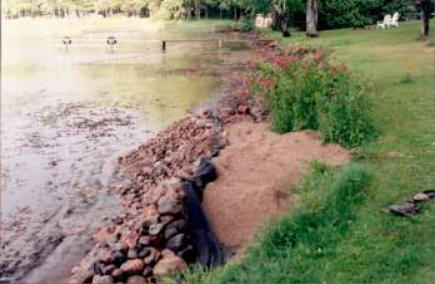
{"x":304,"y":89}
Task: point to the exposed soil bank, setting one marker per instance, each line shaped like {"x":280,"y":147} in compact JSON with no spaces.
{"x":256,"y":171}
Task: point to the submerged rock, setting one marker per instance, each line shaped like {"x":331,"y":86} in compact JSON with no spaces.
{"x":102,"y":279}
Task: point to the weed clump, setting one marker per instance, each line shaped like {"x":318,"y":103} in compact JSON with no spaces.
{"x":304,"y":90}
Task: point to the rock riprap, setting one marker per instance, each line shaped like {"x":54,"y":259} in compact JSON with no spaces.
{"x":162,"y":227}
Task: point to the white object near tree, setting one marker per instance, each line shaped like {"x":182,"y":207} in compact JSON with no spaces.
{"x":385,"y":23}
{"x":395,"y":20}
{"x":262,"y":21}
{"x":389,"y":21}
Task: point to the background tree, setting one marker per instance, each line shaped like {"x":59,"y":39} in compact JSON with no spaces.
{"x":312,"y":18}
{"x":426,"y":8}
{"x":197,"y":9}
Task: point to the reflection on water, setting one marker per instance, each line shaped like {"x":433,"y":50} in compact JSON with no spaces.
{"x":68,"y":113}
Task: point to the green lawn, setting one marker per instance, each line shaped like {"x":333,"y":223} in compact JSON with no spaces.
{"x":339,"y":234}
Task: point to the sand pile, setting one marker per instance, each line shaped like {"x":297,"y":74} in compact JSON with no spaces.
{"x":256,"y":172}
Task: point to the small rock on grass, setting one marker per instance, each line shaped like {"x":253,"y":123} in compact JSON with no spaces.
{"x":424,"y":196}
{"x":406,"y":210}
{"x":420,"y":197}
{"x":430,"y":193}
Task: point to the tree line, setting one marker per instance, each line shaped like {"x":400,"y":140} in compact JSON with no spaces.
{"x":305,"y":14}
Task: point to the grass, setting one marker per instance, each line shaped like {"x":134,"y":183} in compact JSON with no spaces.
{"x":338,"y":234}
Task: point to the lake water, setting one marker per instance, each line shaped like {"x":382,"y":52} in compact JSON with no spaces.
{"x":68,"y":113}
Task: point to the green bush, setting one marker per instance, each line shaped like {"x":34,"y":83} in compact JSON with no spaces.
{"x":358,"y":13}
{"x":247,"y":26}
{"x":308,"y":92}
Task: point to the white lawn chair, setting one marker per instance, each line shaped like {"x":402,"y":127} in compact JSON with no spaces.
{"x":385,"y":23}
{"x":395,"y":20}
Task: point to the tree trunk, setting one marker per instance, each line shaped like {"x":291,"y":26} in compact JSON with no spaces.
{"x":220,"y":12}
{"x":198,"y":9}
{"x":188,"y":12}
{"x":284,"y":25}
{"x":312,"y":18}
{"x":425,"y":17}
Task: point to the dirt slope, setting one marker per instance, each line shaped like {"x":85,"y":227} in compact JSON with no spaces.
{"x":256,"y":172}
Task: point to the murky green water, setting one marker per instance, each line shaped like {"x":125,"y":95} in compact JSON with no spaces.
{"x":68,"y":113}
{"x":160,"y":85}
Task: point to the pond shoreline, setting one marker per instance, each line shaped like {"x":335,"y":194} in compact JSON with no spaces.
{"x":61,"y":159}
{"x":153,"y":237}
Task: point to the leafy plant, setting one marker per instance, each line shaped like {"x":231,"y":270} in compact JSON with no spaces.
{"x":308,"y":92}
{"x":247,"y":26}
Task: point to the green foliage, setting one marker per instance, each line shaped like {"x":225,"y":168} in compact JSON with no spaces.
{"x":311,"y":93}
{"x":171,"y":10}
{"x":247,"y":26}
{"x":358,"y":13}
{"x":333,"y":13}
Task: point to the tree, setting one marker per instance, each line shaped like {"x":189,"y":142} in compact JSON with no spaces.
{"x":198,"y":9}
{"x":312,"y":18}
{"x":426,"y":8}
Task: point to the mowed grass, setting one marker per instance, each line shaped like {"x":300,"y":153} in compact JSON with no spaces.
{"x":338,"y":233}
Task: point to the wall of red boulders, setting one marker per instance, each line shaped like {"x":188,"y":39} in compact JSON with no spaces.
{"x":154,"y":237}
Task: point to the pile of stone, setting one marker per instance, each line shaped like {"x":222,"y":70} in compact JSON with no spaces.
{"x":162,"y":227}
{"x":142,"y":246}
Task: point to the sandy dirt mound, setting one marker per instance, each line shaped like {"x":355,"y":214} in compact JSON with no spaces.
{"x":256,"y":172}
